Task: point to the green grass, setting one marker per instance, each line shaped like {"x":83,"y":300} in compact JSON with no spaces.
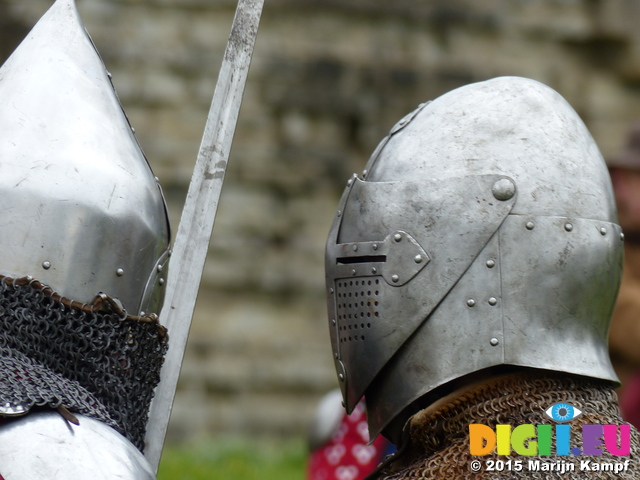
{"x":234,"y":459}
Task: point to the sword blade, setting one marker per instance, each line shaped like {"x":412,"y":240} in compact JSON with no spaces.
{"x":196,"y":223}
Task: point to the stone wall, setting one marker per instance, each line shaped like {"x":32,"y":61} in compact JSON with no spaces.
{"x":328,"y":79}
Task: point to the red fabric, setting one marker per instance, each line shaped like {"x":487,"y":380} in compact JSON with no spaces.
{"x":347,"y":456}
{"x":630,"y":401}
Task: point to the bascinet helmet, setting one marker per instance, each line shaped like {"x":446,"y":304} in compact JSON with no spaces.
{"x":481,"y":234}
{"x":81,"y":209}
{"x":84,"y":244}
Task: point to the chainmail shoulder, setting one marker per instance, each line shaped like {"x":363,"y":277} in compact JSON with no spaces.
{"x":438,"y":442}
{"x":93,"y":359}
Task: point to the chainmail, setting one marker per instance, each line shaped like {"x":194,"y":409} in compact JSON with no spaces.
{"x":92,"y":359}
{"x":438,"y":445}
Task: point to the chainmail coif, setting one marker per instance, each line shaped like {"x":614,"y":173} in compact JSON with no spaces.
{"x":91,"y":359}
{"x":438,"y":438}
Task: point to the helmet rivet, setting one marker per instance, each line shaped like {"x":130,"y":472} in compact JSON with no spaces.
{"x":471,"y":302}
{"x":350,"y":181}
{"x":46,"y":265}
{"x":374,"y":270}
{"x":503,"y":189}
{"x":341,"y":377}
{"x":530,"y":225}
{"x":159,"y":268}
{"x":603,"y":231}
{"x":418,"y":259}
{"x":568,"y":227}
{"x":333,"y":320}
{"x":491,"y":263}
{"x":621,"y":236}
{"x":395,"y":278}
{"x":331,"y":291}
{"x":375,"y":246}
{"x":161,"y":281}
{"x":339,"y":213}
{"x":493,"y":301}
{"x":494,"y":342}
{"x":364,"y":173}
{"x":119,"y":272}
{"x":353,"y":272}
{"x":355,"y":248}
{"x":397,"y":237}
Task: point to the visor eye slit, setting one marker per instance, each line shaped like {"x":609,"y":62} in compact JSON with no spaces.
{"x":361,"y":259}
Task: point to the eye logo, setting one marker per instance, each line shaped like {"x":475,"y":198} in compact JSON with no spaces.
{"x":562,"y":412}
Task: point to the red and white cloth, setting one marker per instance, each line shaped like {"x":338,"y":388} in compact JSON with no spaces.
{"x":346,"y":456}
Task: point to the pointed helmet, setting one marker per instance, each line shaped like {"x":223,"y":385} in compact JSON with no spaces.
{"x":80,"y":208}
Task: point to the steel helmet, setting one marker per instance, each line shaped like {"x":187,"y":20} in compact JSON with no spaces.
{"x":481,"y":235}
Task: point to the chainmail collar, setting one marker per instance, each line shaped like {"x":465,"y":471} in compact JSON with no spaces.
{"x":93,"y":359}
{"x":437,"y":444}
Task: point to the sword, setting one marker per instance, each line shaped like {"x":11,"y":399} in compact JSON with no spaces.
{"x":196,"y":223}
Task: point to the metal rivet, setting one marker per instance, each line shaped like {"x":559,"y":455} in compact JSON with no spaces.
{"x":494,"y":342}
{"x":503,"y":189}
{"x":331,"y":291}
{"x":159,"y":268}
{"x":374,"y":270}
{"x":336,"y":355}
{"x":418,"y":259}
{"x":133,"y":130}
{"x":350,"y":181}
{"x":353,"y":272}
{"x":491,"y":263}
{"x":109,"y":75}
{"x":603,"y":231}
{"x":375,"y":246}
{"x":530,"y":225}
{"x":364,"y":173}
{"x":161,"y":281}
{"x":355,"y":248}
{"x":46,"y":265}
{"x":397,"y":237}
{"x":395,"y":278}
{"x":492,"y":301}
{"x":339,"y":213}
{"x":621,"y":236}
{"x":341,"y":377}
{"x":157,"y":179}
{"x":119,"y":272}
{"x":333,"y":320}
{"x":471,"y":302}
{"x":568,"y":227}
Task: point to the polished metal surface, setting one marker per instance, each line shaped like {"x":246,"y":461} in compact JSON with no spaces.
{"x":198,"y":215}
{"x":45,"y":445}
{"x":81,"y":209}
{"x":504,"y":189}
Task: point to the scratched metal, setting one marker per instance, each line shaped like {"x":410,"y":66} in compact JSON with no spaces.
{"x":196,"y":223}
{"x":45,"y":445}
{"x":502,"y":186}
{"x":81,"y":209}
